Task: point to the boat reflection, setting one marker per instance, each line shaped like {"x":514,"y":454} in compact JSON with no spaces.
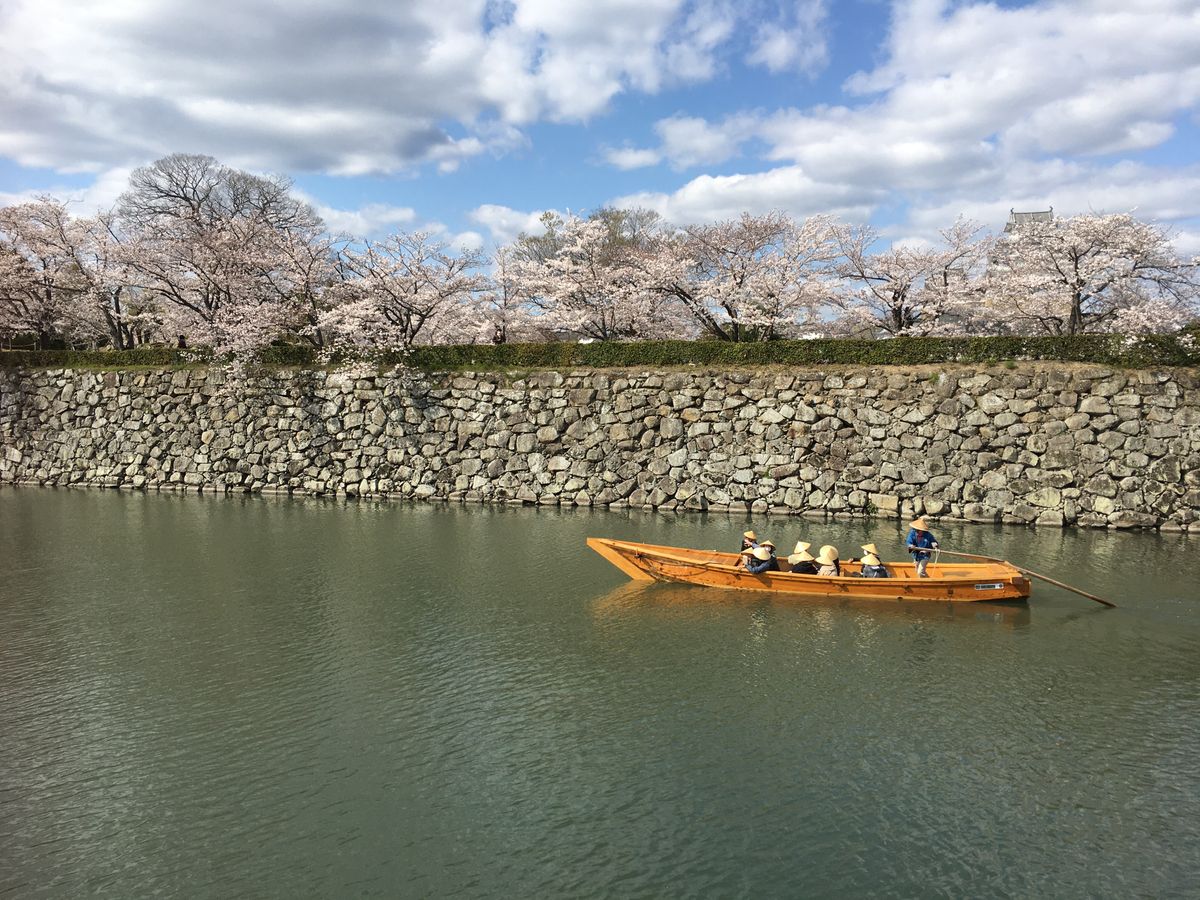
{"x":643,"y":595}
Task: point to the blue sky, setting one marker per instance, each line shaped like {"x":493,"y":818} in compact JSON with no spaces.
{"x":470,"y":117}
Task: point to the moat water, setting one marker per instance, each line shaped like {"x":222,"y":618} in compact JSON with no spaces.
{"x":212,"y":697}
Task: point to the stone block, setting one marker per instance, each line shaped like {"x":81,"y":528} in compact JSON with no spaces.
{"x":991,"y":404}
{"x":670,"y":428}
{"x":1095,"y":406}
{"x":979,"y":512}
{"x":885,"y":504}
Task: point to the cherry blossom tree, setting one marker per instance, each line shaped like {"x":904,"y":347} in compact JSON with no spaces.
{"x":404,"y":290}
{"x":42,"y":287}
{"x":503,"y":302}
{"x":538,"y":247}
{"x":128,"y":315}
{"x":209,"y":240}
{"x":234,"y":259}
{"x":907,"y":289}
{"x":304,"y":276}
{"x":1090,"y":273}
{"x":748,"y":279}
{"x":595,"y":284}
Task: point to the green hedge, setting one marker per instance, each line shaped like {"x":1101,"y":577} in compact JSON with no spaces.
{"x":1158,"y":350}
{"x":1147,"y":351}
{"x":84,"y":359}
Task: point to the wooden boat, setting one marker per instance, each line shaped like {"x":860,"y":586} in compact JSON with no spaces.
{"x":956,"y":582}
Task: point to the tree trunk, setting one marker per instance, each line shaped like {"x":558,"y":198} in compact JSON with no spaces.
{"x":1075,"y":323}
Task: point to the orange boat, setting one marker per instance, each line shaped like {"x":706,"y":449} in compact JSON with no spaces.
{"x":956,"y":582}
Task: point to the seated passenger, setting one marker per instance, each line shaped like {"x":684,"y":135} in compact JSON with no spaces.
{"x":760,"y":560}
{"x":827,"y":561}
{"x":871,"y":566}
{"x":801,"y":560}
{"x":749,"y":542}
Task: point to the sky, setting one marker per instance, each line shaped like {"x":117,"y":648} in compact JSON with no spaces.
{"x":468,"y":118}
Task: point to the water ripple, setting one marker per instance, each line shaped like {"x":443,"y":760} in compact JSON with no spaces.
{"x":276,"y":698}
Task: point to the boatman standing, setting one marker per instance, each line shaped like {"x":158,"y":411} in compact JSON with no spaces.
{"x":920,"y":541}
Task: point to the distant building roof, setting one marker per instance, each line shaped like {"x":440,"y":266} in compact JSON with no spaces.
{"x":1020,"y":219}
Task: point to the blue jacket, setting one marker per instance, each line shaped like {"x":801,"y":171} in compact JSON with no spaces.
{"x":757,"y":567}
{"x":919,"y":539}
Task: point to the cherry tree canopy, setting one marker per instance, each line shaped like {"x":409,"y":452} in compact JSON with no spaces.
{"x":1090,"y":273}
{"x":210,"y":241}
{"x":237,"y":261}
{"x":402,"y":290}
{"x":593,"y":285}
{"x":906,"y":289}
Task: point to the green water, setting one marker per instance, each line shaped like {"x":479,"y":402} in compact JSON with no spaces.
{"x":212,"y":697}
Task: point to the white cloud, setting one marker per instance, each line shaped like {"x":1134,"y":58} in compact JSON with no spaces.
{"x":369,"y":221}
{"x":794,"y":41}
{"x":975,"y":107}
{"x":626,"y":158}
{"x":98,"y":196}
{"x":374,"y":87}
{"x":1151,"y":193}
{"x":709,"y":198}
{"x":689,"y":141}
{"x":1046,"y":77}
{"x":972,"y":90}
{"x":691,"y":55}
{"x":504,"y":224}
{"x":467,"y":240}
{"x":1187,"y":243}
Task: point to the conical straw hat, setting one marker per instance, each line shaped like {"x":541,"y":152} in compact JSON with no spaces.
{"x":750,"y":535}
{"x":920,"y":524}
{"x":801,"y":546}
{"x":760,"y":553}
{"x":870,"y":560}
{"x":870,"y":548}
{"x":828,"y":555}
{"x":800,"y":555}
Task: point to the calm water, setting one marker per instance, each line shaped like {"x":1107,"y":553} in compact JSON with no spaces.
{"x":259,"y":698}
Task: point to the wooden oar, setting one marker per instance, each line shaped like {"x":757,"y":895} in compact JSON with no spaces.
{"x":1023,"y":570}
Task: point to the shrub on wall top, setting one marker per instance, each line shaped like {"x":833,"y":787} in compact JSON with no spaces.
{"x":1181,"y":349}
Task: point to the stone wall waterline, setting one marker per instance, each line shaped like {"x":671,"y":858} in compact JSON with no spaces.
{"x":1043,"y":444}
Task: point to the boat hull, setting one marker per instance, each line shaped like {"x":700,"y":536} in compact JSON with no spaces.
{"x":957,"y":583}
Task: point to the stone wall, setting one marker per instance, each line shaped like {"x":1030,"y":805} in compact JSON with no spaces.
{"x":1043,"y":444}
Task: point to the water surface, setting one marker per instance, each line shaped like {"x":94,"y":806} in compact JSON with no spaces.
{"x":220,"y":697}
